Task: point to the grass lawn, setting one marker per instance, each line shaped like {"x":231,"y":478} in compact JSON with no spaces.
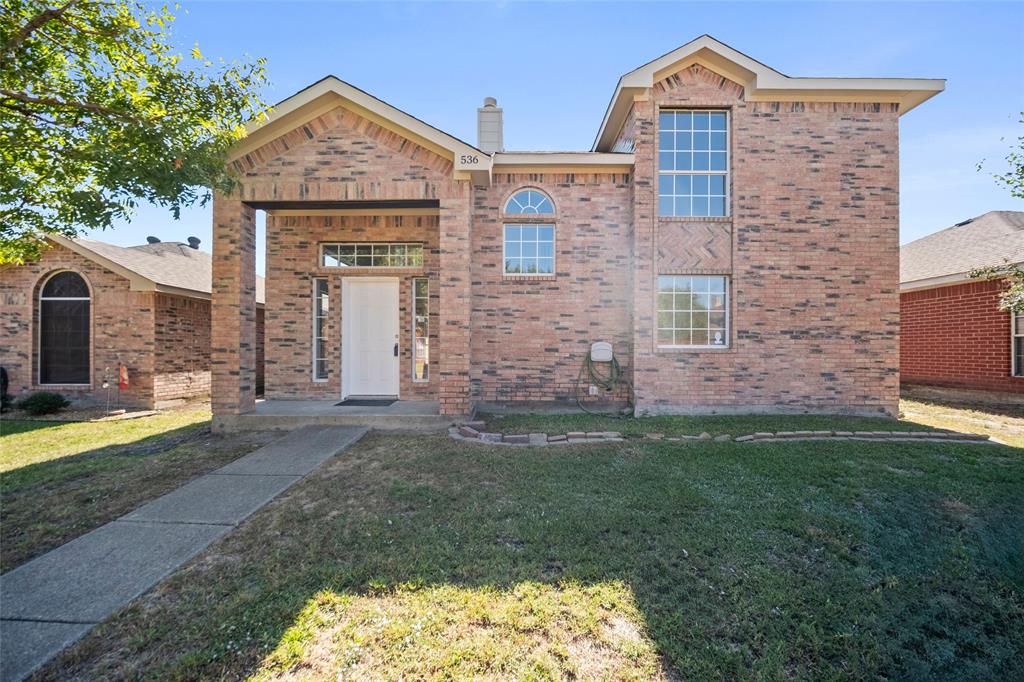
{"x":59,"y":480}
{"x":425,"y":558}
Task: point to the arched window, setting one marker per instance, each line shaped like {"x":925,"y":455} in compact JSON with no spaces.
{"x":529,"y":202}
{"x":529,"y":234}
{"x":64,"y":330}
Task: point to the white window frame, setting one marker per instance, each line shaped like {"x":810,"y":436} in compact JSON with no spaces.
{"x":1015,"y":371}
{"x":374,"y":246}
{"x":554,"y":250}
{"x":727,"y":173}
{"x":39,"y":321}
{"x":318,"y":315}
{"x":727,"y":332}
{"x":426,"y":367}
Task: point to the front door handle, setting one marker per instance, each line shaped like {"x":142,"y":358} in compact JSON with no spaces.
{"x":396,"y":349}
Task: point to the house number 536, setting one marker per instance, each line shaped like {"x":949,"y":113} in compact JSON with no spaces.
{"x":467,"y":160}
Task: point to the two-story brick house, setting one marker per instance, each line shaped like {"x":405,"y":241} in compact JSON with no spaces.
{"x":733,"y":233}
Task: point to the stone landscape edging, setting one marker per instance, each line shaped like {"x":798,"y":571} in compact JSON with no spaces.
{"x":472,"y":432}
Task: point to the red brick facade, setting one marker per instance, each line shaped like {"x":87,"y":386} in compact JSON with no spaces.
{"x":957,"y":336}
{"x":163,"y":340}
{"x":810,"y":250}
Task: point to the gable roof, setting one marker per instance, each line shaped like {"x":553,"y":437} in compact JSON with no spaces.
{"x":168,"y":267}
{"x":331,"y":92}
{"x":760,"y":83}
{"x":994,"y":238}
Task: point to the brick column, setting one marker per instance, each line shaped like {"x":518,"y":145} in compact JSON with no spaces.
{"x":233,"y":311}
{"x":644,"y":241}
{"x":455,"y":305}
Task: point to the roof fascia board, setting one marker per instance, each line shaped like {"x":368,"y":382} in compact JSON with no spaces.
{"x":760,"y":82}
{"x":580,"y":159}
{"x":941,"y":281}
{"x":138,"y":282}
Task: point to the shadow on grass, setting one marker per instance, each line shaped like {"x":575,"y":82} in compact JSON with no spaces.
{"x":10,"y":426}
{"x":427,"y":558}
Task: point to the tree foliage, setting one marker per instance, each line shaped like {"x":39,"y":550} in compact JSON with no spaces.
{"x":1013,"y":298}
{"x":100,"y":111}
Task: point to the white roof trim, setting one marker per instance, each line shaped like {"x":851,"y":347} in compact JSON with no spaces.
{"x":331,"y":92}
{"x":933,"y":282}
{"x":575,"y":159}
{"x":761,"y":83}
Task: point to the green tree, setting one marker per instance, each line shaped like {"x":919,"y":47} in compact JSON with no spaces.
{"x":99,"y":111}
{"x":1013,"y":298}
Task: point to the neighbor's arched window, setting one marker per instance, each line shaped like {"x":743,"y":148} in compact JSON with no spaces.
{"x":529,"y":240}
{"x":64,"y":330}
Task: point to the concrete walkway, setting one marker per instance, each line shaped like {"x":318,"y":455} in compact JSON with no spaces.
{"x":53,"y":600}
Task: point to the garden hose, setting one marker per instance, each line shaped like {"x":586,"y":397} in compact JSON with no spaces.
{"x":604,"y":381}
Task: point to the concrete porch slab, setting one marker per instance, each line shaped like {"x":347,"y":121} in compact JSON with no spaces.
{"x":224,"y":499}
{"x":402,"y":415}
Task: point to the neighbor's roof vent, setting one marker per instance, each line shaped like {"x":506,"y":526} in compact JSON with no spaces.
{"x":966,"y":222}
{"x":193,"y":242}
{"x":489,"y":135}
{"x":153,"y":240}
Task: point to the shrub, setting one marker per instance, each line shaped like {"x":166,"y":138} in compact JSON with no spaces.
{"x":6,"y":401}
{"x":44,"y":402}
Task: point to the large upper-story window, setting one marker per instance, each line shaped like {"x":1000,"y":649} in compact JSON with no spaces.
{"x":529,"y":234}
{"x":693,"y":163}
{"x":64,"y":330}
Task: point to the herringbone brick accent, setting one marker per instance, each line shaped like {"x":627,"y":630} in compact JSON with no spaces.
{"x":694,"y":247}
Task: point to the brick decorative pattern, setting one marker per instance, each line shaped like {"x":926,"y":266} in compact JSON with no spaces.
{"x":957,"y":336}
{"x":694,"y":247}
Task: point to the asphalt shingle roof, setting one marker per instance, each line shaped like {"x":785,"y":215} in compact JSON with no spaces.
{"x":173,"y":264}
{"x":994,"y":238}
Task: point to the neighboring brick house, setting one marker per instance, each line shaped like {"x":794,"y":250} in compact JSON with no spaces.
{"x":69,"y":321}
{"x":954,"y":333}
{"x":733,"y":233}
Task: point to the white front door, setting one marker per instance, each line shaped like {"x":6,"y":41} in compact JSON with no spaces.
{"x":369,"y":328}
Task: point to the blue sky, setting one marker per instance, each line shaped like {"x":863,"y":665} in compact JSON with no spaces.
{"x":553,"y":66}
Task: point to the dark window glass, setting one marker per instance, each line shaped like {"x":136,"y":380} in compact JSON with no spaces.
{"x":64,"y":330}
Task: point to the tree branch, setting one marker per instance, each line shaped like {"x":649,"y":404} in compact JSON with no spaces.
{"x":64,"y":104}
{"x":32,"y":24}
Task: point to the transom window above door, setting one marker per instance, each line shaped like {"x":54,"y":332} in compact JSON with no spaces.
{"x":693,"y":163}
{"x":366,"y":255}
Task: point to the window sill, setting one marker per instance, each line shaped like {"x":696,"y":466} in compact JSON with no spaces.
{"x":48,"y":387}
{"x":693,"y":349}
{"x":694,"y":219}
{"x":529,"y":278}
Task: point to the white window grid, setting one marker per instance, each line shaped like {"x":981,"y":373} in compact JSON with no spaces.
{"x":693,"y":163}
{"x":321,"y":310}
{"x":693,"y":311}
{"x":371,"y":255}
{"x":528,"y":249}
{"x":529,"y":202}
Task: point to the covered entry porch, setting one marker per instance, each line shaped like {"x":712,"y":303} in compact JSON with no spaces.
{"x":333,"y":164}
{"x":401,"y":415}
{"x":334,"y":328}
